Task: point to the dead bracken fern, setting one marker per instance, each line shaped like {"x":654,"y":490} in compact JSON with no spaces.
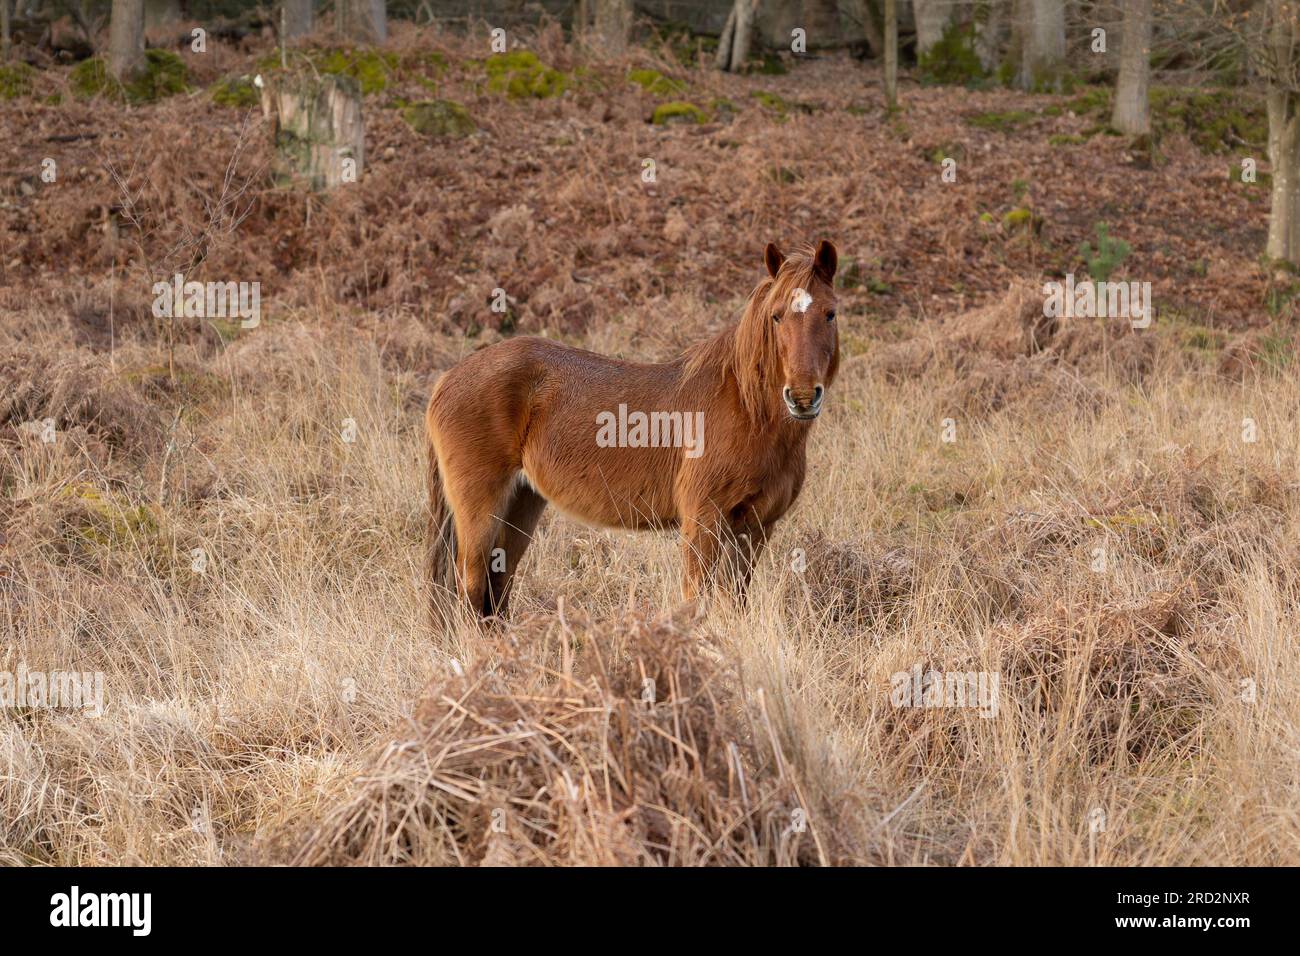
{"x":639,"y":756}
{"x":73,"y":389}
{"x":849,"y":585}
{"x":1139,"y":677}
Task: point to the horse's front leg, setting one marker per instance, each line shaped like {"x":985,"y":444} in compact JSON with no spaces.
{"x":719,"y":549}
{"x":747,"y":544}
{"x":705,"y":543}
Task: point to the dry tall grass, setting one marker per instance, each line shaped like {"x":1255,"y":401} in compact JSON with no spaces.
{"x":1098,"y":535}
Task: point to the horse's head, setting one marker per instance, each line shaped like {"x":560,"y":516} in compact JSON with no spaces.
{"x":801,"y":304}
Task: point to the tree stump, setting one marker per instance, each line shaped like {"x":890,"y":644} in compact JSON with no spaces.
{"x":320,"y":136}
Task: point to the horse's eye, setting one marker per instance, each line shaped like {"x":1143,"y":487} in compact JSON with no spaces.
{"x":776,"y":316}
{"x":830,"y":316}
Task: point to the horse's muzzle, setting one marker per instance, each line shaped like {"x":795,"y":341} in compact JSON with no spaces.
{"x":800,"y":408}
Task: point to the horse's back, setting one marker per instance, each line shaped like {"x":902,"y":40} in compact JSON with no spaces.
{"x":533,"y":368}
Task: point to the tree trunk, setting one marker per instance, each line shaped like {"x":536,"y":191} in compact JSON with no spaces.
{"x":866,"y":17}
{"x":362,"y":21}
{"x":733,"y":46}
{"x":1132,"y":112}
{"x":6,"y":30}
{"x":744,"y":35}
{"x":1284,"y":157}
{"x":932,"y":18}
{"x":318,"y":128}
{"x":126,"y":39}
{"x":1283,"y":134}
{"x":891,"y":54}
{"x":821,"y":18}
{"x":723,"y":58}
{"x":1040,"y":25}
{"x":990,"y":34}
{"x":298,"y":18}
{"x":613,"y":25}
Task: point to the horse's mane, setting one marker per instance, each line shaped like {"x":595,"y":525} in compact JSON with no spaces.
{"x":747,"y":350}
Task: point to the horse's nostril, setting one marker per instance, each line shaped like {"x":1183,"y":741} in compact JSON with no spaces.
{"x":802,"y":400}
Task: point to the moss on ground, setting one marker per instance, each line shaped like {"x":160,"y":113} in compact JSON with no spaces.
{"x":90,"y":78}
{"x":163,"y":74}
{"x":1217,"y":121}
{"x":952,"y":60}
{"x":372,"y":70}
{"x":678,"y":112}
{"x":109,"y":522}
{"x":1101,"y":129}
{"x":1095,"y":99}
{"x":1019,"y":218}
{"x":519,"y":74}
{"x":655,"y":83}
{"x":439,"y":118}
{"x":15,"y":81}
{"x":781,"y":106}
{"x":235,"y":91}
{"x":771,"y":101}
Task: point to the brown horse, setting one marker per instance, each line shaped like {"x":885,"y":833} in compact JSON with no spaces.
{"x":711,"y":443}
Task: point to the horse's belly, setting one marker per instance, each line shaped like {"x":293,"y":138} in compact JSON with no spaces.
{"x":612,"y":487}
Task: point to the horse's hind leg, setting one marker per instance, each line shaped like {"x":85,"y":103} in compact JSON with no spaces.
{"x":515,"y":534}
{"x":477,"y":501}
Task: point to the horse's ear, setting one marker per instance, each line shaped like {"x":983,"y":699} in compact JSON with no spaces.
{"x":824,"y":262}
{"x":774,"y":258}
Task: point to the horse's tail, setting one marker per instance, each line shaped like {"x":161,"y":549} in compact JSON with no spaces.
{"x":440,"y":537}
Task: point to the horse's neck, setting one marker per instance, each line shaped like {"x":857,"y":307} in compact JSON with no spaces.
{"x":725,"y":376}
{"x":751,"y":380}
{"x":769,"y":426}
